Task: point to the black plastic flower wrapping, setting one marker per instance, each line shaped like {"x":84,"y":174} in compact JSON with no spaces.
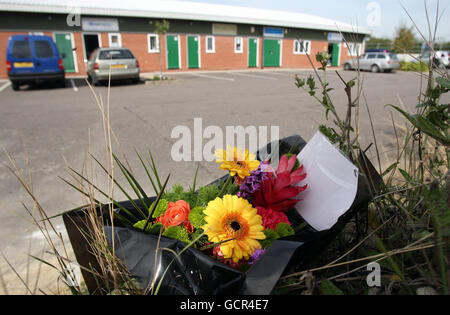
{"x":195,"y":273}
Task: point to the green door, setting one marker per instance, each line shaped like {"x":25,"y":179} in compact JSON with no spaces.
{"x":192,"y":47}
{"x":335,"y":56}
{"x":173,"y":55}
{"x":64,"y":43}
{"x":272,"y":52}
{"x":253,"y":52}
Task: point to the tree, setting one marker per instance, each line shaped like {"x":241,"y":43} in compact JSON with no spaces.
{"x":161,"y":28}
{"x":379,"y":43}
{"x":405,"y":39}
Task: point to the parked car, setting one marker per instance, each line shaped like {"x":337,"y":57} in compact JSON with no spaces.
{"x":374,"y":61}
{"x":117,"y":63}
{"x":441,"y":58}
{"x":33,"y":58}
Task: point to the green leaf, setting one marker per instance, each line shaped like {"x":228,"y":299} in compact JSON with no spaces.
{"x":176,"y":194}
{"x":147,"y":172}
{"x":206,"y":194}
{"x":284,"y":230}
{"x":203,"y":240}
{"x":438,"y":119}
{"x":154,"y":170}
{"x":196,"y":217}
{"x":389,"y":169}
{"x":406,"y":175}
{"x":125,"y":210}
{"x":140,"y":225}
{"x":300,"y":82}
{"x":195,"y":179}
{"x":425,"y":104}
{"x":140,"y":193}
{"x":271,"y":236}
{"x":445,"y":83}
{"x":118,"y":185}
{"x":328,"y":288}
{"x":156,"y":228}
{"x":178,"y":233}
{"x":390,"y":259}
{"x":160,"y":208}
{"x":425,"y":126}
{"x":152,"y":228}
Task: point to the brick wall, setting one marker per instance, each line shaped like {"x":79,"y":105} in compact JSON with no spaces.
{"x":291,"y":60}
{"x":224,"y":57}
{"x":138,"y":44}
{"x":3,"y":44}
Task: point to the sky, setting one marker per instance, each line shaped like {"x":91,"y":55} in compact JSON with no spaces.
{"x":382,"y":17}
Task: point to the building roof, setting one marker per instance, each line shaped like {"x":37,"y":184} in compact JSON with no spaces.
{"x":184,"y":10}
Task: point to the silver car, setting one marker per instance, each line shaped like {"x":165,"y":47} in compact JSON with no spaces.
{"x":441,"y":58}
{"x":374,"y":61}
{"x":119,"y":63}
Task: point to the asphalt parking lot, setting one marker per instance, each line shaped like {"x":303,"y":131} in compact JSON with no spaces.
{"x":44,"y":126}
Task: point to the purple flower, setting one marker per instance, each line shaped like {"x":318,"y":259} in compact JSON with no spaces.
{"x":252,"y":183}
{"x":256,"y":255}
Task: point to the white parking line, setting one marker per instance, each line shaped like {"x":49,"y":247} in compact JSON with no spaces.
{"x":4,"y":86}
{"x":73,"y":85}
{"x":211,"y":77}
{"x":254,"y":76}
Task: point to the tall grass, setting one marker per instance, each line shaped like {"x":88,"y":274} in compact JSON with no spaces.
{"x":409,"y":218}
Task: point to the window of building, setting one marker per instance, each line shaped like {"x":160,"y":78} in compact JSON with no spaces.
{"x":210,"y":44}
{"x":115,"y":40}
{"x":238,"y":47}
{"x":153,"y":43}
{"x":302,"y":46}
{"x":354,"y":49}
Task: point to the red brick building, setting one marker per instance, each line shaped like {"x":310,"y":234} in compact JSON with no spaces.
{"x":200,"y":36}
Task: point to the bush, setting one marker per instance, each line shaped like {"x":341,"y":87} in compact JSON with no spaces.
{"x":413,"y":66}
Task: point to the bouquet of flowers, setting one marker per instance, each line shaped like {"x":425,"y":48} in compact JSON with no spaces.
{"x":236,"y":235}
{"x":236,"y":221}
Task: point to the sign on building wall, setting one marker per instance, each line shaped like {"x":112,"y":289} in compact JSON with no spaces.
{"x":224,"y":29}
{"x":273,"y":32}
{"x":335,"y":37}
{"x":99,"y":24}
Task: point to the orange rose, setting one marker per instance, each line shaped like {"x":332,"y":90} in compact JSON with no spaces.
{"x":177,"y":213}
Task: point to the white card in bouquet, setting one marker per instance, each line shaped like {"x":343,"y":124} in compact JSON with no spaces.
{"x":332,"y":183}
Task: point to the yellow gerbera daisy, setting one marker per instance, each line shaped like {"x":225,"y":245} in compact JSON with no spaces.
{"x":233,"y":218}
{"x":237,"y":162}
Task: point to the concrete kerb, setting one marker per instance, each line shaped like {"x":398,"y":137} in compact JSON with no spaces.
{"x":150,"y":75}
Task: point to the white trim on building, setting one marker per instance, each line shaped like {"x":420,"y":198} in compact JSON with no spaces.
{"x":208,"y":49}
{"x":152,"y":49}
{"x":194,"y":11}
